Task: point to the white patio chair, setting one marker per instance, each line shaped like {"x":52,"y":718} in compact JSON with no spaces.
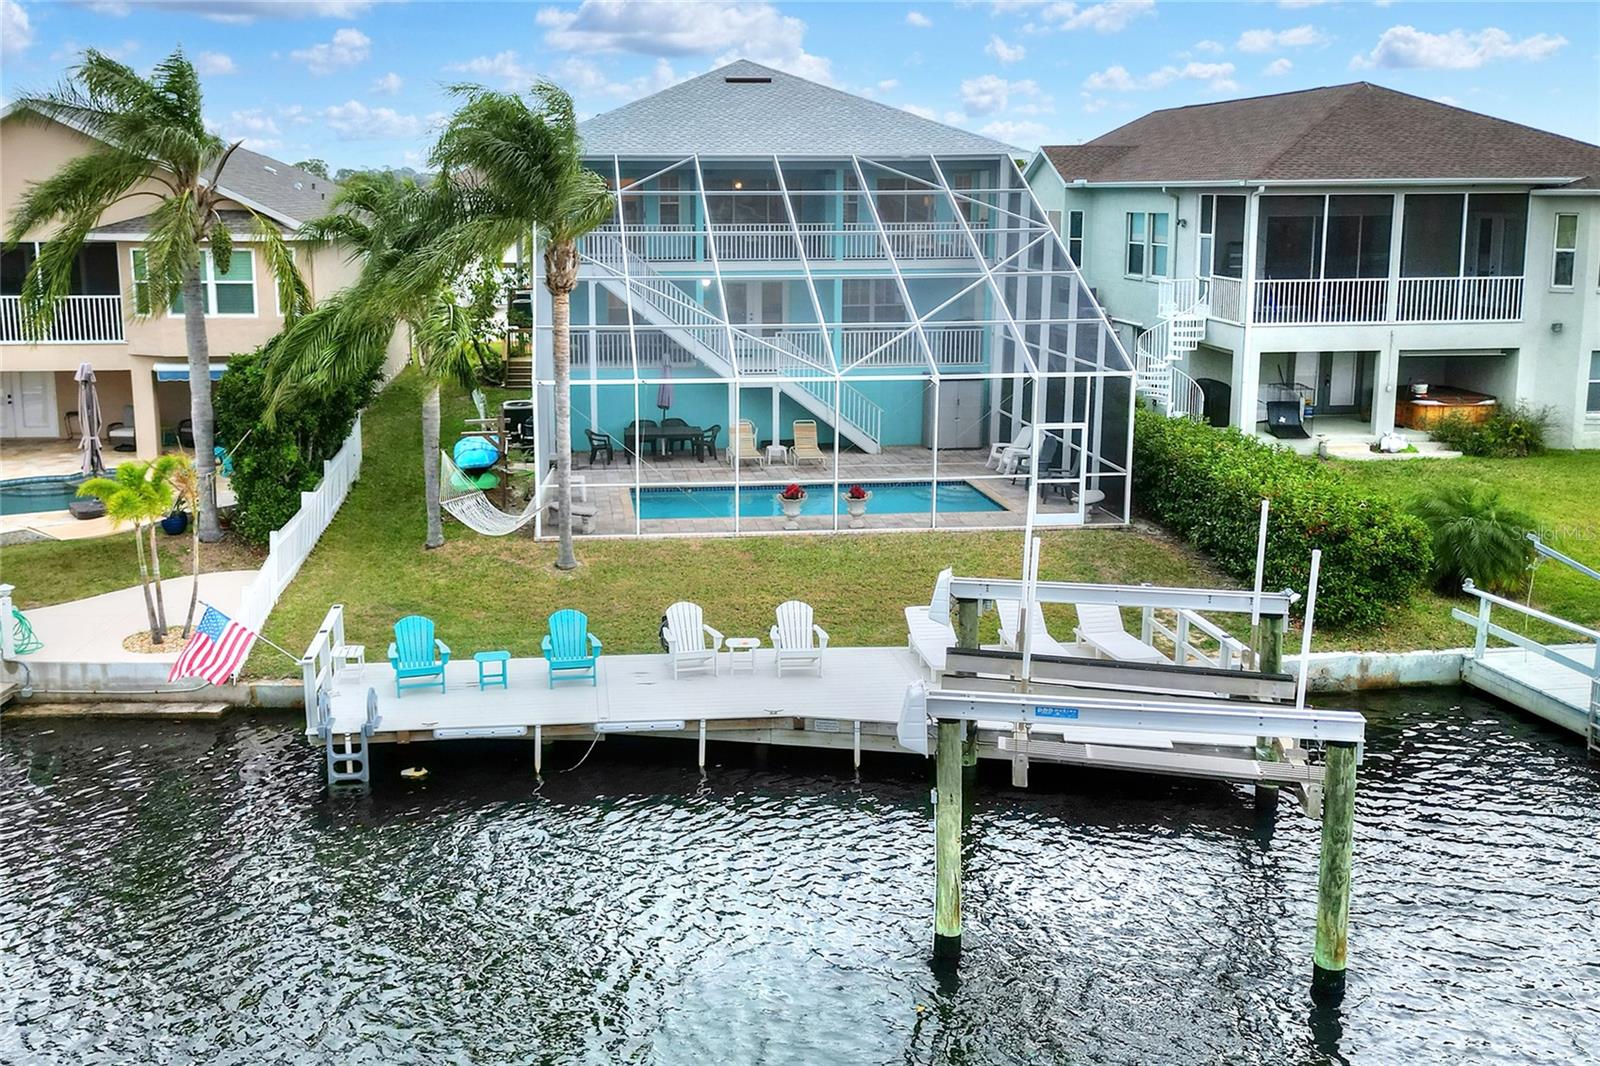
{"x":928,"y":629}
{"x":1007,"y":457}
{"x":743,"y":448}
{"x":1038,"y":633}
{"x":1100,"y":627}
{"x":692,"y":644}
{"x":797,"y":641}
{"x":121,"y":435}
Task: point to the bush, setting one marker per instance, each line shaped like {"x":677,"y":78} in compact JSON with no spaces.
{"x":271,"y":467}
{"x":1511,"y":433}
{"x":1476,"y":535}
{"x":1207,"y":485}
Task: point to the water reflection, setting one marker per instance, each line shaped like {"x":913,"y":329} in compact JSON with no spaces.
{"x":190,"y":892}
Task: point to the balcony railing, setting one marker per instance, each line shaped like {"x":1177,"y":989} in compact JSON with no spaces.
{"x":1344,"y":301}
{"x":78,"y":320}
{"x":775,"y":241}
{"x":1316,"y":301}
{"x":1459,"y":300}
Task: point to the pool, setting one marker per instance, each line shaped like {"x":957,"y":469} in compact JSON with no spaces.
{"x":26,"y":495}
{"x":891,"y":497}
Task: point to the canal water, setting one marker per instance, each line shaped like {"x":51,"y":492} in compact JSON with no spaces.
{"x":189,"y":893}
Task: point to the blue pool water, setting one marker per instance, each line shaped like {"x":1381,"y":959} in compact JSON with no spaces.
{"x":895,"y":497}
{"x":29,"y":494}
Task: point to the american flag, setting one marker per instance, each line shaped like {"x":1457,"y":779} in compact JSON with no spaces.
{"x":216,"y":650}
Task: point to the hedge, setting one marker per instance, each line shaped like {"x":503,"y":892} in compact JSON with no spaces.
{"x":1207,"y":484}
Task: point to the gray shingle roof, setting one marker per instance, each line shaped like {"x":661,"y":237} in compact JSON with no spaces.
{"x":1349,"y":132}
{"x":277,"y":186}
{"x":239,"y":223}
{"x":783,"y":115}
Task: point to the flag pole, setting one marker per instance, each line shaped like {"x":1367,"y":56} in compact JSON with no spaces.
{"x":259,"y":636}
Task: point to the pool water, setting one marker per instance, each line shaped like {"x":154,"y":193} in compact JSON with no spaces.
{"x":29,"y":494}
{"x":896,"y":497}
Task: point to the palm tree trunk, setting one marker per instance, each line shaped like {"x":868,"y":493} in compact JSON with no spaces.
{"x":155,"y":577}
{"x":194,"y":333}
{"x":194,"y":584}
{"x":144,"y":582}
{"x":561,"y":269}
{"x":430,"y":464}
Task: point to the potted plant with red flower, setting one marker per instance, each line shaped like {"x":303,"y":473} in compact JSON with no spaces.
{"x":855,"y":501}
{"x":790,"y":499}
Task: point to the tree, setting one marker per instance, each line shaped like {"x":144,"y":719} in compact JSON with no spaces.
{"x":184,"y":479}
{"x":520,"y":169}
{"x":388,"y":223}
{"x":151,"y":141}
{"x":138,"y":494}
{"x":314,"y":166}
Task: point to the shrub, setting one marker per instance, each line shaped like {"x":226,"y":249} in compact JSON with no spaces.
{"x":1511,"y":433}
{"x":1476,"y":535}
{"x":1207,"y":485}
{"x":271,"y":467}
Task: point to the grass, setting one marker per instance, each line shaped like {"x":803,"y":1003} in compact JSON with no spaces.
{"x":55,"y":571}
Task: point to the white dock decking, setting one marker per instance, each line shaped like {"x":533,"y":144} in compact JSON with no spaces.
{"x":1534,"y":682}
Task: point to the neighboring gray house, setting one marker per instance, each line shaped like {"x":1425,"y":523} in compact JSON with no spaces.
{"x":1325,"y":252}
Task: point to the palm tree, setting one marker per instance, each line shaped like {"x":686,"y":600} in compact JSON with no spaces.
{"x":520,"y":169}
{"x":138,"y":494}
{"x":387,"y":222}
{"x":185,"y":481}
{"x":151,"y":141}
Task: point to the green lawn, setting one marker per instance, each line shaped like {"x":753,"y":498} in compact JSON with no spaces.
{"x":55,"y":571}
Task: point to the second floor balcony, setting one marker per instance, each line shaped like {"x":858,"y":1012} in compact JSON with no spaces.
{"x":746,"y":242}
{"x":78,"y":319}
{"x":1356,"y":301}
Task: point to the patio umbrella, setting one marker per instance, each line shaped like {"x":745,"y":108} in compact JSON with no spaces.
{"x":89,"y":421}
{"x":664,"y":390}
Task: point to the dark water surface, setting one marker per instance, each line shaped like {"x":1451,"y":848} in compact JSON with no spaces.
{"x":189,"y":893}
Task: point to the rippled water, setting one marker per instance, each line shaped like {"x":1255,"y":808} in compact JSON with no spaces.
{"x":188,"y":893}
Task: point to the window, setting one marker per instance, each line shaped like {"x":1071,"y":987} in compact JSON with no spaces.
{"x":873,"y":300}
{"x":1054,"y":218}
{"x":904,"y":200}
{"x":1566,"y":251}
{"x":1593,"y":406}
{"x":228,"y":293}
{"x":1075,"y":237}
{"x":1207,"y":235}
{"x":671,"y":206}
{"x":1148,"y":244}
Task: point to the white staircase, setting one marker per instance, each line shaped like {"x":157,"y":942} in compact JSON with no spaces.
{"x":1182,"y":306}
{"x":804,"y":377}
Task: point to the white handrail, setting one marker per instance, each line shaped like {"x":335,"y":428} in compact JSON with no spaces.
{"x":75,"y":320}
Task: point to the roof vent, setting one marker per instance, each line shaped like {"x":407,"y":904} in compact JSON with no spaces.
{"x":269,"y":170}
{"x":748,"y":79}
{"x":299,"y":185}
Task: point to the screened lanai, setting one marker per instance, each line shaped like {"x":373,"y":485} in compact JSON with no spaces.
{"x":908,"y":325}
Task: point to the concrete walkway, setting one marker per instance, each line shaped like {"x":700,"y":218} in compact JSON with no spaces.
{"x":92,"y":630}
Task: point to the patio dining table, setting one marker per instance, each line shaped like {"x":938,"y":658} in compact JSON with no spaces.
{"x":663,"y":439}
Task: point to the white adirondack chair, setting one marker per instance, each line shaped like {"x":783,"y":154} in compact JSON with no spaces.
{"x":1006,"y":457}
{"x":1100,"y":626}
{"x":692,"y":644}
{"x":1038,"y":633}
{"x":797,"y":641}
{"x":928,"y":629}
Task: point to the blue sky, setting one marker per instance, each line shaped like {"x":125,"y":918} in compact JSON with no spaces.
{"x":362,"y":83}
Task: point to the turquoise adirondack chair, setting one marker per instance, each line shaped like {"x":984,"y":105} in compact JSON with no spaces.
{"x":412,"y":654}
{"x":571,"y":648}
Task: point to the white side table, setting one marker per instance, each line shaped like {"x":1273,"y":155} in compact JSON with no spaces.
{"x":776,"y":454}
{"x":742,"y":654}
{"x":348,"y":655}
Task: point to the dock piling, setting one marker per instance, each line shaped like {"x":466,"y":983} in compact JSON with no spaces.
{"x":1333,"y":872}
{"x":1269,"y":660}
{"x":947,"y":843}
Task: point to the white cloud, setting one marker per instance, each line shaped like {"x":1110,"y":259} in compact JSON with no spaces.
{"x":348,"y":48}
{"x":1025,"y":133}
{"x":728,"y":28}
{"x":16,"y":34}
{"x":389,"y":84}
{"x":1274,"y":40}
{"x":1278,"y":66}
{"x":243,"y":12}
{"x":70,"y":51}
{"x":503,"y":67}
{"x":215,"y":63}
{"x":583,"y":76}
{"x":1211,"y":47}
{"x":888,"y":85}
{"x":355,"y":121}
{"x":1409,"y":47}
{"x":253,"y":126}
{"x":1111,"y":16}
{"x":1217,"y":76}
{"x":1294,"y":5}
{"x":988,"y":93}
{"x":920,"y":111}
{"x":1005,"y":53}
{"x":918,"y":19}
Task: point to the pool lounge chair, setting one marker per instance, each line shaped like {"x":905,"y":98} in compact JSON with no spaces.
{"x":691,"y":643}
{"x":411,"y":655}
{"x":797,"y":641}
{"x":1038,"y":633}
{"x":1006,"y":457}
{"x":743,"y":448}
{"x":1100,"y":627}
{"x":928,"y":629}
{"x":805,"y":442}
{"x":570,"y":648}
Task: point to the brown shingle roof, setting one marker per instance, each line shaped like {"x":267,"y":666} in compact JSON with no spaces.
{"x":1340,"y":133}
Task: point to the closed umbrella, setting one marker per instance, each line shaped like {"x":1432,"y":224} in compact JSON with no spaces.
{"x":89,"y":420}
{"x":664,"y":390}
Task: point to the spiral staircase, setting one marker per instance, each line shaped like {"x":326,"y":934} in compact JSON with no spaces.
{"x":1182,"y":307}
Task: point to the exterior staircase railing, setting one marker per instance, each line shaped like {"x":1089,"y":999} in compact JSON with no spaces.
{"x":1182,"y":307}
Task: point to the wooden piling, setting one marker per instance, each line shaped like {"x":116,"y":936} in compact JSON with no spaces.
{"x":966,"y":623}
{"x":1333,"y":872}
{"x":947,"y":843}
{"x":1269,"y":660}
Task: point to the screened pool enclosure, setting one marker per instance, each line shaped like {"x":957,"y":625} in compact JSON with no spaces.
{"x":743,"y":325}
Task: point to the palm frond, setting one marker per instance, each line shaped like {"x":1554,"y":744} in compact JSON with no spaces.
{"x":294,"y":296}
{"x":171,"y":251}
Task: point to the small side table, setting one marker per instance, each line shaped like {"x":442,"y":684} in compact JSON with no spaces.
{"x":347,"y":655}
{"x":742,"y":653}
{"x":777,"y":453}
{"x":488,"y":674}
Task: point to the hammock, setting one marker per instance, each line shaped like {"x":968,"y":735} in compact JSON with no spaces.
{"x":469,"y":506}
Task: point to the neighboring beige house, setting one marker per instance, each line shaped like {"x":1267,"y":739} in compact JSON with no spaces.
{"x":1332,"y":251}
{"x":141,"y":364}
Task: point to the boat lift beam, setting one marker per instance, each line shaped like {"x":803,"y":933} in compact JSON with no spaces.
{"x":1229,"y":601}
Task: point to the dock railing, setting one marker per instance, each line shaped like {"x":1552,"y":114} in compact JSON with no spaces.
{"x":1485,"y":627}
{"x":318,"y":664}
{"x":1195,"y":639}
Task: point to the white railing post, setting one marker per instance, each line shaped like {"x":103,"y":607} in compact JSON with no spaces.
{"x":8,"y":639}
{"x":1480,"y":640}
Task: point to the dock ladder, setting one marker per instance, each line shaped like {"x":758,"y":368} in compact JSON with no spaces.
{"x":347,"y":757}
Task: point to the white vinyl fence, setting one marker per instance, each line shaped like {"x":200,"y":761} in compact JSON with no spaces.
{"x":289,"y":546}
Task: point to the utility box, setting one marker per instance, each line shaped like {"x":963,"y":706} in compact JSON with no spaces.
{"x":958,"y":414}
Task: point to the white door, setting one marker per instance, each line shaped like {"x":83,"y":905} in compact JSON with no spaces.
{"x":30,"y":404}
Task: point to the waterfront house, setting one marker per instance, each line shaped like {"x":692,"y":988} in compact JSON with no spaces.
{"x":141,"y":361}
{"x":804,"y":261}
{"x":1352,"y":253}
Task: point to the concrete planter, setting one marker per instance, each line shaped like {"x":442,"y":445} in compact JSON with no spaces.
{"x":791,"y":510}
{"x":857,"y":508}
